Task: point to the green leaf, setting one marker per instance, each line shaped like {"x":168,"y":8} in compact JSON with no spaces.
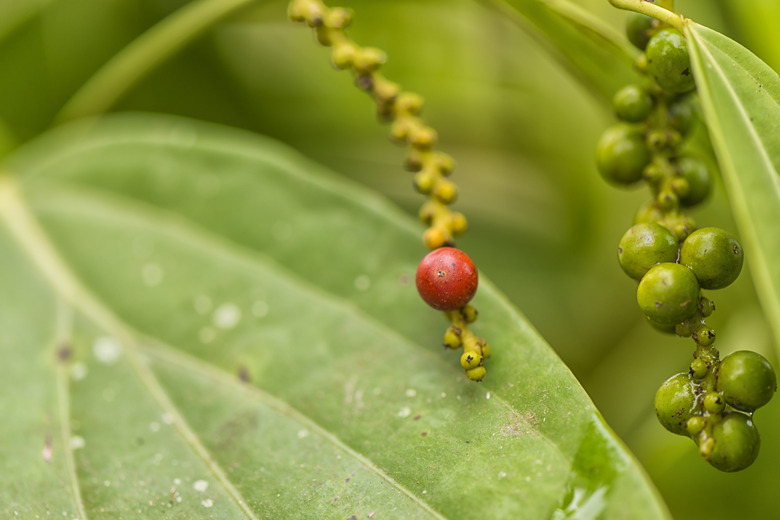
{"x":591,"y":50}
{"x":740,"y":97}
{"x":199,"y":322}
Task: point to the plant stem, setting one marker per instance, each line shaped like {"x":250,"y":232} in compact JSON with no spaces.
{"x":144,"y":54}
{"x":662,"y":11}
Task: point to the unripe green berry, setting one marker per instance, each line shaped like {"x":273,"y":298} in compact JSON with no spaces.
{"x":736,"y":443}
{"x":409,"y":103}
{"x":668,"y":293}
{"x":667,"y":200}
{"x":338,"y":18}
{"x":679,"y":224}
{"x":684,"y":329}
{"x":704,"y":336}
{"x":424,"y":182}
{"x":747,"y":380}
{"x":695,"y":425}
{"x":470,"y":359}
{"x":368,"y":59}
{"x":485,"y":351}
{"x":668,"y":61}
{"x":458,"y":223}
{"x":674,"y":403}
{"x":666,"y":329}
{"x":423,"y":138}
{"x":621,"y":154}
{"x":435,"y":237}
{"x":469,"y":313}
{"x":643,"y":246}
{"x":706,"y":307}
{"x":445,"y":191}
{"x":632,"y":103}
{"x":343,"y":55}
{"x":714,"y":256}
{"x":698,"y":178}
{"x":476,"y":374}
{"x":714,"y":403}
{"x":452,"y":337}
{"x":660,"y":140}
{"x":443,"y":162}
{"x":682,"y":113}
{"x":648,"y":212}
{"x":699,"y":369}
{"x":639,"y":28}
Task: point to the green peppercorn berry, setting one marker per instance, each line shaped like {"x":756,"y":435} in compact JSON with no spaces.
{"x":458,"y":223}
{"x":445,"y":191}
{"x":368,"y":59}
{"x":714,"y":256}
{"x":639,"y":28}
{"x":681,"y":113}
{"x":643,"y":246}
{"x":668,"y":293}
{"x":704,"y":336}
{"x":706,"y":307}
{"x":485,"y":351}
{"x":343,"y":55}
{"x":736,"y":443}
{"x":423,"y":138}
{"x":699,"y":369}
{"x":476,"y":374}
{"x":632,"y":103}
{"x":747,"y":380}
{"x":469,"y":313}
{"x":409,"y":103}
{"x":695,"y":173}
{"x":684,"y":329}
{"x":695,"y":425}
{"x":470,"y":359}
{"x":648,"y":212}
{"x":666,"y":329}
{"x":452,"y":337}
{"x":675,"y":403}
{"x":621,"y":154}
{"x":668,"y":61}
{"x":679,"y":224}
{"x":714,"y":403}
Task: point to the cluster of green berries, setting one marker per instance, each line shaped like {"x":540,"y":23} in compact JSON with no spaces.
{"x":672,"y":260}
{"x":446,"y":278}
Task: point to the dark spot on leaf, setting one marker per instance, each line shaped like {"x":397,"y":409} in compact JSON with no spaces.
{"x":686,"y":72}
{"x":417,"y":417}
{"x":424,"y":434}
{"x":658,"y":305}
{"x":243,"y":374}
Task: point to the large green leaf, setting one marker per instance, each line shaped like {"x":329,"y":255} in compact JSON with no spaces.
{"x":198,"y":322}
{"x":740,"y":97}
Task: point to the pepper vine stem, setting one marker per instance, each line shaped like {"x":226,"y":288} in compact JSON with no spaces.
{"x":663,"y":10}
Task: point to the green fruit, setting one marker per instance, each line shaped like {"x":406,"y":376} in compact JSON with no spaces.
{"x":668,"y":293}
{"x":639,"y":28}
{"x":674,"y":403}
{"x":666,"y":329}
{"x":621,"y":154}
{"x":747,"y":380}
{"x":648,"y":212}
{"x":714,"y":256}
{"x":682,"y":112}
{"x":668,"y":61}
{"x":736,"y":443}
{"x":695,"y":173}
{"x":632,"y":103}
{"x":645,"y":245}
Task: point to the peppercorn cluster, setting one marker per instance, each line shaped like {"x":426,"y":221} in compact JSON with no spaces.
{"x":431,"y":168}
{"x":672,"y":261}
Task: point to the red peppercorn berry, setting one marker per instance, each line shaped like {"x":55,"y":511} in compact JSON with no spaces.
{"x":447,"y":279}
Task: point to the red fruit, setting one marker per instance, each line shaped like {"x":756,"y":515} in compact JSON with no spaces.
{"x":447,"y":279}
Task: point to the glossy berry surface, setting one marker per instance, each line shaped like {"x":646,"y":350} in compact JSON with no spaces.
{"x":447,"y":279}
{"x":621,"y":154}
{"x":632,"y":103}
{"x":643,"y":246}
{"x":638,"y":29}
{"x":747,"y":380}
{"x":668,"y":61}
{"x":736,"y":443}
{"x":714,"y":256}
{"x":668,"y":293}
{"x":674,"y":403}
{"x":697,"y":177}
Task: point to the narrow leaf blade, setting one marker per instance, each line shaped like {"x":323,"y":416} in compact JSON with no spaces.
{"x":740,"y":97}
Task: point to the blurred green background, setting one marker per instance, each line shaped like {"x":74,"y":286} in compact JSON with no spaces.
{"x":544,"y":226}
